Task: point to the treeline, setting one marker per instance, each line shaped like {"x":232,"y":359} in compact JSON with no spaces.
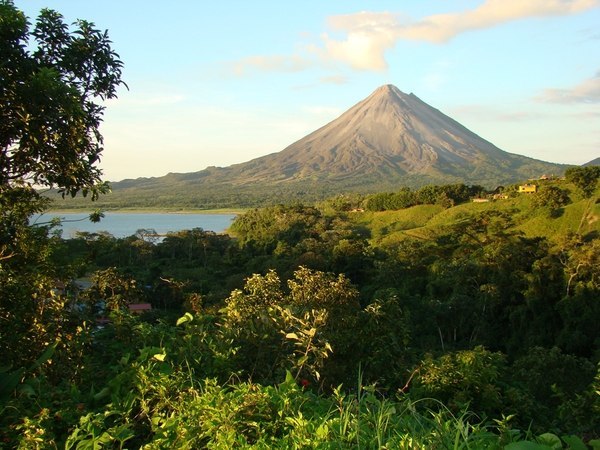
{"x":471,"y":315}
{"x":444,"y":195}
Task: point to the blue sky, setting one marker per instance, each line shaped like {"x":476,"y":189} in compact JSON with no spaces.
{"x":218,"y":83}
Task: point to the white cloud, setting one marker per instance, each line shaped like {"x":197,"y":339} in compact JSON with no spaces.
{"x":367,"y":35}
{"x":443,"y":27}
{"x":588,"y":91}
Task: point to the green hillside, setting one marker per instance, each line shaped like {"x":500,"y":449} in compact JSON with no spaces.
{"x":425,"y":221}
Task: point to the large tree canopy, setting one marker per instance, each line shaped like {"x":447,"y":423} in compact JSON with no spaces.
{"x":585,"y":178}
{"x":52,"y":80}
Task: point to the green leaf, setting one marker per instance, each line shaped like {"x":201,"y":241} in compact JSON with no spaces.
{"x":187,"y":317}
{"x":105,"y":392}
{"x":289,"y":378}
{"x":48,"y":353}
{"x":322,"y":432}
{"x":551,"y":440}
{"x":96,"y":216}
{"x":574,"y":442}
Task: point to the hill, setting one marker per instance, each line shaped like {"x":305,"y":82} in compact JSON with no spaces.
{"x":593,"y":162}
{"x":424,"y":221}
{"x":388,"y":140}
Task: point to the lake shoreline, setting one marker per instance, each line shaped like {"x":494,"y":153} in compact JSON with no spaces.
{"x":126,"y":223}
{"x":148,"y":211}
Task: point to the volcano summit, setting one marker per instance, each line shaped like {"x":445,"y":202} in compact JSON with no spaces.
{"x":388,"y":140}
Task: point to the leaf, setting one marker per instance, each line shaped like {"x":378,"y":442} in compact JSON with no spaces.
{"x":551,"y":440}
{"x":122,"y":433}
{"x":187,"y":317}
{"x":96,"y":216}
{"x":574,"y":442}
{"x":48,"y":353}
{"x":160,"y":356}
{"x":292,"y":336}
{"x":322,"y":432}
{"x":105,"y":392}
{"x":27,"y":390}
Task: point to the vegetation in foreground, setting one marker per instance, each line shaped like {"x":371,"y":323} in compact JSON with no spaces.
{"x":432,"y":326}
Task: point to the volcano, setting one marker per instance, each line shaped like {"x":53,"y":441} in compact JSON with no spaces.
{"x":389,"y":139}
{"x":392,"y":136}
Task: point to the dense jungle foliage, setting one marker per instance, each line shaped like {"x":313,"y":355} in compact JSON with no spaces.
{"x":314,"y":326}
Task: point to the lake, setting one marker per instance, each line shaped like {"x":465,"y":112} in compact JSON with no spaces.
{"x":126,"y":224}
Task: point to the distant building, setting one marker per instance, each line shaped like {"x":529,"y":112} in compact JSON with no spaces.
{"x":139,"y":308}
{"x":528,"y":188}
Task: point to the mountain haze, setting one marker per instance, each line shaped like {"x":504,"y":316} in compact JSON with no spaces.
{"x":388,"y":140}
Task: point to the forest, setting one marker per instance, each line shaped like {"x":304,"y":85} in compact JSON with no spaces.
{"x":411,"y":319}
{"x":438,"y":324}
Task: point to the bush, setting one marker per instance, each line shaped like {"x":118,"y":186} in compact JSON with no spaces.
{"x":460,"y":379}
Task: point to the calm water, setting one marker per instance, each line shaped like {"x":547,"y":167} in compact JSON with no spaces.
{"x":126,"y":224}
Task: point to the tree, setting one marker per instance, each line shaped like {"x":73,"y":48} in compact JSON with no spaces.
{"x":114,"y":290}
{"x":297,"y":329}
{"x":585,"y":178}
{"x":460,"y":378}
{"x":52,"y":79}
{"x":551,"y":197}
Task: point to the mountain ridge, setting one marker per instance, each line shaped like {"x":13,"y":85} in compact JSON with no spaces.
{"x":387,"y":140}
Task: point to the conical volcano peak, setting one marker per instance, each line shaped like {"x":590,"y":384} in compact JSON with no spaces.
{"x":386,"y":140}
{"x":388,"y":98}
{"x":388,"y":136}
{"x":388,"y":90}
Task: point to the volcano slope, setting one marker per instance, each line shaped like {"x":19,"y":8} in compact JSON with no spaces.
{"x":388,"y":140}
